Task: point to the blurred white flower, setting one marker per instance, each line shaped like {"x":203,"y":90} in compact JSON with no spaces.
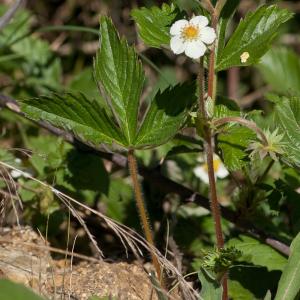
{"x":191,"y":36}
{"x":18,"y":173}
{"x":202,"y":171}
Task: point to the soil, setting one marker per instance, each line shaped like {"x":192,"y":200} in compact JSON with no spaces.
{"x":25,"y":258}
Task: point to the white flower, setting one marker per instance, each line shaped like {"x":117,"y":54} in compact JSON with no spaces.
{"x":191,"y":36}
{"x":202,"y":170}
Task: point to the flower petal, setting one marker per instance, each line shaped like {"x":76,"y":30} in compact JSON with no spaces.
{"x":177,"y":44}
{"x":195,"y":49}
{"x":207,"y":35}
{"x":222,"y":172}
{"x":201,"y":174}
{"x":200,"y":21}
{"x":177,"y":27}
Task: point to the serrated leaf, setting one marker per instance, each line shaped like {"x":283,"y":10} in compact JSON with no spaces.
{"x":226,"y":108}
{"x":281,"y":65}
{"x":288,"y":287}
{"x":120,"y":74}
{"x":166,"y":115}
{"x":154,"y":24}
{"x":253,"y":35}
{"x":75,"y":113}
{"x":257,"y":253}
{"x":233,"y":143}
{"x":210,"y":288}
{"x":287,"y":119}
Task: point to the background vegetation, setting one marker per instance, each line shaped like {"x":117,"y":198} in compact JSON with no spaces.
{"x":49,"y":47}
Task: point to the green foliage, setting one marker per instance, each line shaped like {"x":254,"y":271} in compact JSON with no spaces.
{"x":120,"y":74}
{"x":118,"y":199}
{"x":253,"y":35}
{"x":287,"y":118}
{"x":226,"y":108}
{"x":281,"y":65}
{"x":249,"y":282}
{"x":154,"y":24}
{"x":233,"y":143}
{"x":165,"y":116}
{"x":257,"y":253}
{"x":210,"y":287}
{"x":14,"y":291}
{"x":225,"y":18}
{"x":76,"y":113}
{"x":288,"y":287}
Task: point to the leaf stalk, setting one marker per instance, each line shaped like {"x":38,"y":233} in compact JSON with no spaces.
{"x":143,"y":214}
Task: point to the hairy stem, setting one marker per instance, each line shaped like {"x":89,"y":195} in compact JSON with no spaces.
{"x":251,"y":125}
{"x":209,"y":147}
{"x":133,"y":168}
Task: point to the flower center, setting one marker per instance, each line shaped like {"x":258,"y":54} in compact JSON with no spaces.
{"x":216,"y":163}
{"x":190,"y":32}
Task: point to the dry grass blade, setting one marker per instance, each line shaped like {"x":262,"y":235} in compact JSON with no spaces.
{"x":126,"y":234}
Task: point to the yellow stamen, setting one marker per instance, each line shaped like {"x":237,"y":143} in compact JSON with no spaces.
{"x":217,"y":165}
{"x":190,"y":32}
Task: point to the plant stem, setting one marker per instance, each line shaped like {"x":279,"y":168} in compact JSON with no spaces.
{"x":133,"y":168}
{"x":251,"y":125}
{"x":209,"y":147}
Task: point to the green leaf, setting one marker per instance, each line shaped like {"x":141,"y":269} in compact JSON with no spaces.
{"x":118,"y":200}
{"x":86,"y":171}
{"x":225,"y":17}
{"x":210,"y":288}
{"x":121,"y":76}
{"x":254,"y":35}
{"x":154,"y":24}
{"x":34,"y":50}
{"x":233,"y":143}
{"x":17,"y":27}
{"x":287,"y":119}
{"x":74,"y":112}
{"x":249,"y":282}
{"x":288,"y":287}
{"x":166,"y":115}
{"x":281,"y":65}
{"x":257,"y":253}
{"x":83,"y":82}
{"x":13,"y":291}
{"x":226,"y":108}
